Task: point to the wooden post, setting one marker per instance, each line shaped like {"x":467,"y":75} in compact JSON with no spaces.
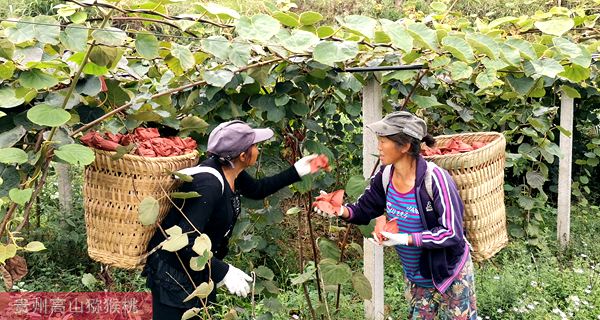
{"x":373,"y":254}
{"x":564,"y":172}
{"x":65,"y":188}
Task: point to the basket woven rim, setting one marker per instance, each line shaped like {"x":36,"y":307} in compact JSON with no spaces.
{"x":490,"y":145}
{"x":193,"y":154}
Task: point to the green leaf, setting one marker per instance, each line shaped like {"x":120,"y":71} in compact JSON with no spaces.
{"x":20,"y":196}
{"x":199,"y":263}
{"x":300,"y":109}
{"x":325,"y":32}
{"x":535,"y":179}
{"x":239,"y":54}
{"x":9,"y":176}
{"x":260,"y":27}
{"x":202,"y":244}
{"x":218,"y":46}
{"x":426,"y":101}
{"x":483,"y":44}
{"x":570,"y":92}
{"x":34,"y":246}
{"x":438,"y":7}
{"x":329,"y":52}
{"x":148,"y":211}
{"x":184,"y":56}
{"x":176,"y":241}
{"x":460,"y":70}
{"x":191,"y":313}
{"x":264,"y":273}
{"x":556,"y":27}
{"x":7,"y":252}
{"x":48,"y":31}
{"x":576,"y":73}
{"x":510,"y":54}
{"x":8,"y":98}
{"x":585,"y":59}
{"x":79,"y":17}
{"x":46,"y":115}
{"x":356,"y":186}
{"x":37,"y":79}
{"x":218,"y":11}
{"x":334,"y":273}
{"x":110,"y":36}
{"x":202,"y":291}
{"x":193,"y":123}
{"x":521,"y":85}
{"x":458,"y":47}
{"x":400,"y":38}
{"x":547,"y":67}
{"x":7,"y":70}
{"x":74,"y":37}
{"x":309,"y":18}
{"x":7,"y":49}
{"x":524,"y":47}
{"x":75,"y":154}
{"x":362,"y":286}
{"x":486,"y":79}
{"x":22,"y":31}
{"x":289,"y":19}
{"x":526,"y":202}
{"x":425,"y":36}
{"x":184,"y":195}
{"x":362,"y":25}
{"x":328,"y":249}
{"x":146,"y":45}
{"x":12,"y":155}
{"x":104,"y":56}
{"x":567,"y":47}
{"x":293,"y":210}
{"x":88,"y":280}
{"x":218,"y":78}
{"x":500,"y":21}
{"x":308,"y":274}
{"x":11,"y":137}
{"x":300,"y":41}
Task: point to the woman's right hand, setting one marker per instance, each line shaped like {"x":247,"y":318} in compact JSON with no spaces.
{"x":330,"y":203}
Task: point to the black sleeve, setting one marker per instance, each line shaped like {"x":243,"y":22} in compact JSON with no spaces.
{"x":199,"y":210}
{"x":259,"y":189}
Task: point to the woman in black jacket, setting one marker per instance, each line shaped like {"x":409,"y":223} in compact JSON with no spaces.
{"x":220,"y":181}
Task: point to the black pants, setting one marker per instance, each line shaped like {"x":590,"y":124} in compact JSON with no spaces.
{"x":162,"y":311}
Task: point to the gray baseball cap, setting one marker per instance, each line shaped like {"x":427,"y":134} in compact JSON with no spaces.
{"x":400,"y":121}
{"x":231,"y":138}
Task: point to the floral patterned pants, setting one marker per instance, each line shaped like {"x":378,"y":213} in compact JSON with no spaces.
{"x":458,"y":302}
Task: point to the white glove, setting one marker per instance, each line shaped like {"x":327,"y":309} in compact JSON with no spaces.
{"x":395,"y":239}
{"x":303,"y":165}
{"x":236,"y":282}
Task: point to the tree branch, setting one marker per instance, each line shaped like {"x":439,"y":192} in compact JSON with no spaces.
{"x":164,"y":93}
{"x":143,"y":11}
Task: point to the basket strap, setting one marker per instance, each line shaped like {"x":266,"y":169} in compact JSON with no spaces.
{"x":385,"y":178}
{"x":202,"y":169}
{"x":429,"y":178}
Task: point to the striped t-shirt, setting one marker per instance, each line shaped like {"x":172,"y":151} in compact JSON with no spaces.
{"x":403,"y":206}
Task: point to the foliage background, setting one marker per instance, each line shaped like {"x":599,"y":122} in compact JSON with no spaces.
{"x":531,"y":176}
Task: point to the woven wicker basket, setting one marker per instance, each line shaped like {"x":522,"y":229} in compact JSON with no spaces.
{"x":112,"y":192}
{"x":479,"y":175}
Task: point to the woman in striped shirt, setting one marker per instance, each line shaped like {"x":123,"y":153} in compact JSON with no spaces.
{"x":424,"y":201}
